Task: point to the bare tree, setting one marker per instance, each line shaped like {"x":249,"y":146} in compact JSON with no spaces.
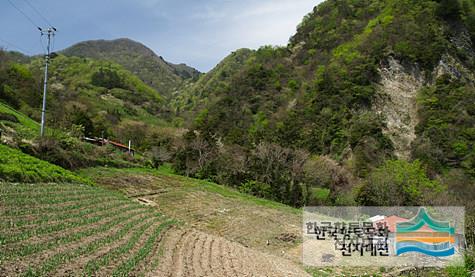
{"x":273,"y":160}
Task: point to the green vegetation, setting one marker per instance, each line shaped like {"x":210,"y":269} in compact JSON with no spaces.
{"x":18,"y":167}
{"x":163,"y":76}
{"x":299,"y":125}
{"x":99,"y":173}
{"x":399,"y":183}
{"x":446,"y":137}
{"x":107,"y":226}
{"x":317,"y":98}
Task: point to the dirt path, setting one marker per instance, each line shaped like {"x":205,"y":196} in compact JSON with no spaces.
{"x":195,"y":253}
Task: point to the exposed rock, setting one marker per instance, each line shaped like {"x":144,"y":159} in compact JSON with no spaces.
{"x":396,"y":101}
{"x":399,"y":86}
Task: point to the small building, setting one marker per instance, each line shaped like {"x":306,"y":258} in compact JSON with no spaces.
{"x":103,"y":142}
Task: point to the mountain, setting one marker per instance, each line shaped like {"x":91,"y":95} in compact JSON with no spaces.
{"x":361,"y":82}
{"x":99,"y":97}
{"x":164,"y":76}
{"x":195,"y":95}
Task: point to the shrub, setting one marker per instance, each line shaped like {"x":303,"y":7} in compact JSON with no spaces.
{"x":256,"y":188}
{"x":107,"y":78}
{"x":398,"y":183}
{"x":449,"y":9}
{"x":8,"y":117}
{"x":322,"y":173}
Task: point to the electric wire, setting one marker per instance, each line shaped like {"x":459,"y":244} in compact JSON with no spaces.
{"x":24,"y":14}
{"x":38,"y":13}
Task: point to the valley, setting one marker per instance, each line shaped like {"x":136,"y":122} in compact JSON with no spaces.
{"x":370,"y":103}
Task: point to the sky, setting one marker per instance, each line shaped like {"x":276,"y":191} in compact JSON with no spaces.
{"x":199,"y":33}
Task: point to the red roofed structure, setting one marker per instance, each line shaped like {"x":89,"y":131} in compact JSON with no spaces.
{"x":102,"y":142}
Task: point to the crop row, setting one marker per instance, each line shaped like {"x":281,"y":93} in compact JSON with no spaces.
{"x":54,"y":217}
{"x":50,"y":200}
{"x":94,"y":265}
{"x":13,"y":188}
{"x":29,"y":249}
{"x":127,"y":266}
{"x":43,"y":230}
{"x":52,"y":194}
{"x":23,"y":189}
{"x":65,"y":257}
{"x":32,"y":211}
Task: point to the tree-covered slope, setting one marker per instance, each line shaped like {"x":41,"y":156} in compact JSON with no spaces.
{"x":165,"y":77}
{"x":196,"y":95}
{"x":362,"y":82}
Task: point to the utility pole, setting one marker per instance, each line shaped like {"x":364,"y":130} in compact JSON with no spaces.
{"x":49,"y":34}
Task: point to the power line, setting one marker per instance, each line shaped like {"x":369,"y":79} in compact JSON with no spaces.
{"x":38,"y":13}
{"x":24,"y":14}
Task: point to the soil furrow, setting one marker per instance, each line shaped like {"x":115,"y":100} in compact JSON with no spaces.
{"x":148,"y":263}
{"x":178,"y":262}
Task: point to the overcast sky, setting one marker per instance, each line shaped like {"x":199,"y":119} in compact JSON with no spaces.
{"x":197,"y":32}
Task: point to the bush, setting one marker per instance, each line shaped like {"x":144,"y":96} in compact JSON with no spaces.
{"x":449,"y":9}
{"x":257,"y":189}
{"x":398,"y":183}
{"x":319,"y":196}
{"x":8,"y":117}
{"x":322,"y":173}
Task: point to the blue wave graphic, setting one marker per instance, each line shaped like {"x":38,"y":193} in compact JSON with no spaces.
{"x":443,"y":253}
{"x":424,"y":246}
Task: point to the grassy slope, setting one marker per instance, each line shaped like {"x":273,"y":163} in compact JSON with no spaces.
{"x":192,"y":183}
{"x":26,"y":127}
{"x":16,"y":166}
{"x":225,"y":212}
{"x":209,"y":207}
{"x":23,"y":119}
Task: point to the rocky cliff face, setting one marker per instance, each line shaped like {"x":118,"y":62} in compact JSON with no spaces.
{"x":399,"y":86}
{"x":396,"y":101}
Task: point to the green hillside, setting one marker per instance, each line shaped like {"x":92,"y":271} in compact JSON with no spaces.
{"x":165,"y":77}
{"x":100,"y":96}
{"x":18,"y":167}
{"x":360,"y":83}
{"x":371,"y":103}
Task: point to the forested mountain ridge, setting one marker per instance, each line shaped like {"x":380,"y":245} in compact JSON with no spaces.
{"x":164,"y":76}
